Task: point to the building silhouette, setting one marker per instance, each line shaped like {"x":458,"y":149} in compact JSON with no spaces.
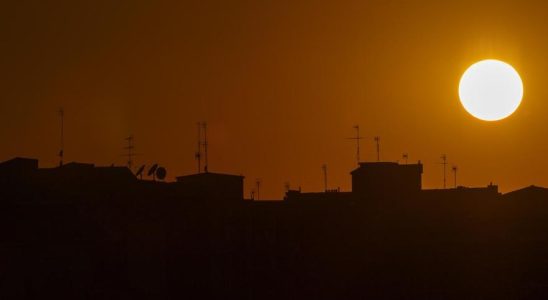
{"x":390,"y":181}
{"x":82,"y":231}
{"x":385,"y":178}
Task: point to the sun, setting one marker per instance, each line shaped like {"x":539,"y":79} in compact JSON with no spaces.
{"x":490,"y":90}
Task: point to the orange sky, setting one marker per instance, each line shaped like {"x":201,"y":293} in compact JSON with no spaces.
{"x":281,"y":83}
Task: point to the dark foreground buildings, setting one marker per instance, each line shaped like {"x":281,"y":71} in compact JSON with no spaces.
{"x":85,"y":232}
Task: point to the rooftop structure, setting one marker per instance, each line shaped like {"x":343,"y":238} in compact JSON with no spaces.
{"x":374,"y":178}
{"x":213,"y":185}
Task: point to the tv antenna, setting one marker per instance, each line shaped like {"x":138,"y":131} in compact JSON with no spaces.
{"x":444,"y":163}
{"x":204,"y":127}
{"x":455,"y":169}
{"x":378,"y":141}
{"x":130,"y":154}
{"x":357,"y":138}
{"x":198,"y":154}
{"x":152,"y":171}
{"x":161,"y":173}
{"x":324,"y":169}
{"x":258,"y":185}
{"x":405,"y":157}
{"x":61,"y":113}
{"x":202,"y":142}
{"x":139,"y":172}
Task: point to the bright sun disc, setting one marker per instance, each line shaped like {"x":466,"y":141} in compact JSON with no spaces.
{"x":490,"y":90}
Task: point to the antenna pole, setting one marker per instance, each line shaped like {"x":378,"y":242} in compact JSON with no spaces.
{"x":358,"y":143}
{"x":405,"y":156}
{"x":378,"y":141}
{"x":129,"y":149}
{"x":444,"y":163}
{"x":455,"y":168}
{"x":258,"y":183}
{"x":204,"y":126}
{"x":62,"y":150}
{"x":324,"y":168}
{"x":357,"y":138}
{"x":198,"y":154}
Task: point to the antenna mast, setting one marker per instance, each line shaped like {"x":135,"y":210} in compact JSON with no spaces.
{"x":357,"y":138}
{"x":405,"y":157}
{"x":202,"y":142}
{"x":444,"y":163}
{"x":198,"y":154}
{"x":130,"y":154}
{"x":258,"y":183}
{"x":378,"y":141}
{"x":62,"y":148}
{"x":204,"y":127}
{"x":455,"y":168}
{"x":324,"y":168}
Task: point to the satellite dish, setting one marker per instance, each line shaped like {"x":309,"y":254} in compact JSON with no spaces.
{"x":140,"y":171}
{"x":152,"y":170}
{"x":161,"y":173}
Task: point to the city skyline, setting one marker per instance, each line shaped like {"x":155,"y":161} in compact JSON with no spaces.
{"x":309,"y":149}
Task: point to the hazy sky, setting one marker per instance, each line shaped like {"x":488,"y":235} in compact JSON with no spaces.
{"x":280,"y":83}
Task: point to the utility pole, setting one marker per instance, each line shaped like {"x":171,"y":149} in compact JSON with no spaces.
{"x":444,"y":163}
{"x":324,"y":168}
{"x":357,"y":138}
{"x":62,"y":150}
{"x":378,"y":141}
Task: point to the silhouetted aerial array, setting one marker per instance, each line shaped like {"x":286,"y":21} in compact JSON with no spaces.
{"x":82,"y":231}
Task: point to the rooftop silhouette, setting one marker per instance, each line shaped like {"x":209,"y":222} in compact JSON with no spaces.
{"x":78,"y":230}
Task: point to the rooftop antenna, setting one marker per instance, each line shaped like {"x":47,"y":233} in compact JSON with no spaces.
{"x":160,"y":173}
{"x":378,"y":141}
{"x":130,"y":154}
{"x":357,"y":138}
{"x":324,"y":168}
{"x":258,"y":184}
{"x":444,"y":163}
{"x":62,"y":150}
{"x":405,"y":157}
{"x":139,"y":172}
{"x":455,"y":169}
{"x":198,"y":154}
{"x":204,"y":127}
{"x":152,"y":171}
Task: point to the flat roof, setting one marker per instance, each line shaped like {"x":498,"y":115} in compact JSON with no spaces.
{"x":207,"y":174}
{"x":385,"y":164}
